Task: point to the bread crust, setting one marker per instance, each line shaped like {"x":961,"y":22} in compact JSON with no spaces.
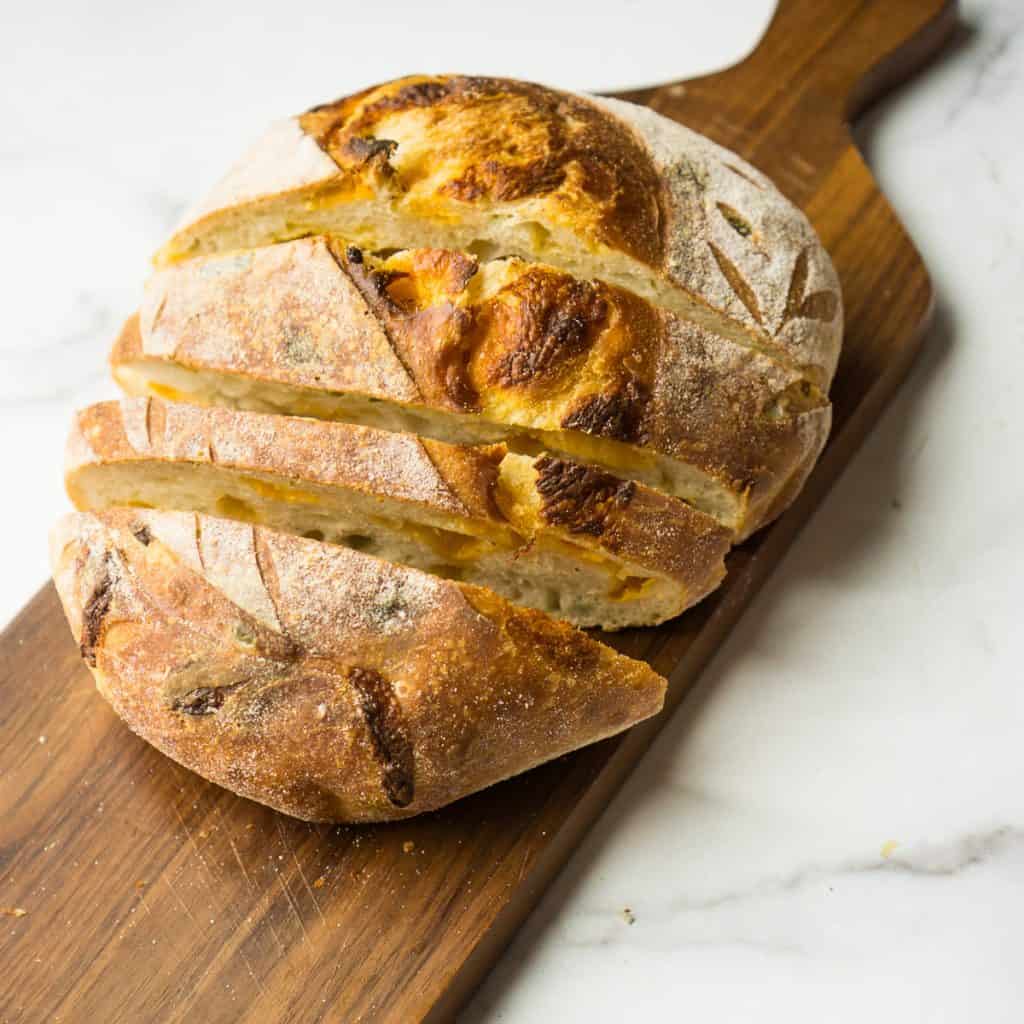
{"x":322,"y":682}
{"x":524,"y":345}
{"x":459,"y":486}
{"x":618,"y":179}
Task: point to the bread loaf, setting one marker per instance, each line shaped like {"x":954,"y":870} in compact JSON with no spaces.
{"x":319,"y":680}
{"x":444,"y":332}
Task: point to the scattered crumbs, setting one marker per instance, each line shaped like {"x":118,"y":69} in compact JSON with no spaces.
{"x":408,"y":846}
{"x":42,"y":739}
{"x":628,"y":916}
{"x":889,"y":848}
{"x":140,"y":884}
{"x":13,"y":911}
{"x":319,"y":883}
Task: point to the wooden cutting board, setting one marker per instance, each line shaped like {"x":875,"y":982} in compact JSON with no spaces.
{"x":151,"y":895}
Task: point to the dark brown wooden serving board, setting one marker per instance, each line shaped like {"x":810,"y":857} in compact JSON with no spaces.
{"x":151,"y":895}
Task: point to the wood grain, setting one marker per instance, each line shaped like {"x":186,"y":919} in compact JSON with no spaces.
{"x":151,"y":895}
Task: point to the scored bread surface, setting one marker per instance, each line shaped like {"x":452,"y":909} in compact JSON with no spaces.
{"x":597,"y":187}
{"x":453,"y":347}
{"x":551,"y":343}
{"x":582,"y":544}
{"x":323,"y":682}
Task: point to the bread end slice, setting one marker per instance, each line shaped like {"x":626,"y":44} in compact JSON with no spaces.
{"x":325,"y":683}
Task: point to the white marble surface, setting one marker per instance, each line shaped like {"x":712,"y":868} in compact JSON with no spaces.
{"x":832,"y":830}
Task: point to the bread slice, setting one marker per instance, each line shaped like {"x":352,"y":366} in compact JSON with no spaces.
{"x":440,"y":343}
{"x":570,"y":540}
{"x":326,"y":683}
{"x":595,"y":187}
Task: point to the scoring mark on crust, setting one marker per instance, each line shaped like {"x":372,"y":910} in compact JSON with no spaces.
{"x":823,"y":305}
{"x":742,"y":174}
{"x":580,"y":498}
{"x":738,"y":283}
{"x":388,"y":735}
{"x":95,"y":609}
{"x":735,"y":220}
{"x":204,"y":700}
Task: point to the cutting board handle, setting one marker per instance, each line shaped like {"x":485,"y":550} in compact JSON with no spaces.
{"x":787,"y":106}
{"x":845,"y":54}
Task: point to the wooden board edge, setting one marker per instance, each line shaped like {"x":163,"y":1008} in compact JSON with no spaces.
{"x":837,"y":456}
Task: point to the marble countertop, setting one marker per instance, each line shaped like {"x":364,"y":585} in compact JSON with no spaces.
{"x":832,"y":828}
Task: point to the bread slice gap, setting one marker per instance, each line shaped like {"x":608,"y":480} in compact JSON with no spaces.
{"x":323,"y":682}
{"x":545,"y":533}
{"x":378,"y":226}
{"x":436,"y":342}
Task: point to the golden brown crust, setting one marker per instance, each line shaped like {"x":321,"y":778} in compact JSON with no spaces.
{"x":500,"y":141}
{"x":632,"y":522}
{"x":575,"y":180}
{"x":373,"y":693}
{"x":524,"y":345}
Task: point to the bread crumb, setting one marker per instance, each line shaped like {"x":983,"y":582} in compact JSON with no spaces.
{"x":408,"y":846}
{"x":13,"y":911}
{"x":628,"y":916}
{"x":321,"y":711}
{"x":319,"y":883}
{"x":889,"y":848}
{"x":42,"y":739}
{"x":140,"y":884}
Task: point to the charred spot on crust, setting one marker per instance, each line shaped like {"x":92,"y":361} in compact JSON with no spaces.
{"x":365,"y":148}
{"x":504,"y":182}
{"x":580,"y":498}
{"x":554,"y":318}
{"x":388,"y":735}
{"x":94,"y":612}
{"x":141,"y":532}
{"x":416,"y":94}
{"x":354,"y":254}
{"x":618,"y":416}
{"x":204,"y":700}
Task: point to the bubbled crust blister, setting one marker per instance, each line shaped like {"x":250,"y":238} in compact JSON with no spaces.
{"x":521,"y":343}
{"x":320,"y":681}
{"x":619,"y":180}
